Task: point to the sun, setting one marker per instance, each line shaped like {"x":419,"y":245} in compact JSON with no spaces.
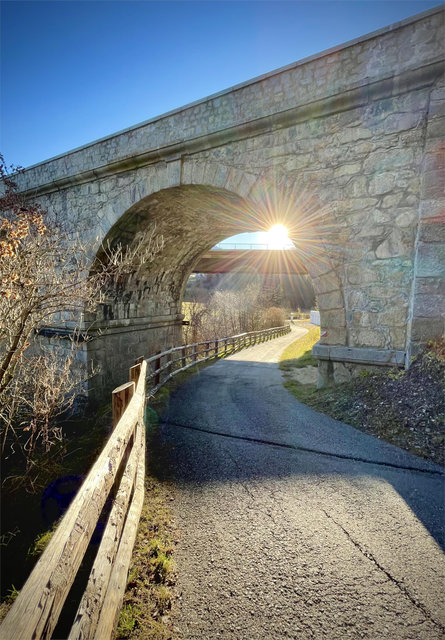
{"x":278,"y":237}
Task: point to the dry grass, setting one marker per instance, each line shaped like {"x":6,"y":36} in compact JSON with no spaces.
{"x":149,"y":594}
{"x":299,"y":353}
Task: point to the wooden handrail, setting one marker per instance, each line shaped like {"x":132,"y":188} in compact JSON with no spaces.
{"x":189,"y":352}
{"x":121,"y":465}
{"x":36,"y":610}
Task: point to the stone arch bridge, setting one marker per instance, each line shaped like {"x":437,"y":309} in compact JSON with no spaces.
{"x":345,"y":148}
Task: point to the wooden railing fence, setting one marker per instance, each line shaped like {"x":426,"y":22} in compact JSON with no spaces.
{"x":36,"y":610}
{"x":119,"y":470}
{"x":163,"y":366}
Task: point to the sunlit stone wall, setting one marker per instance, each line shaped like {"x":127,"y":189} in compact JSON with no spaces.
{"x":357,"y":133}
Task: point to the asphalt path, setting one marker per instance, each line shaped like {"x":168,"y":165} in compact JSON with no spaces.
{"x":294,"y":525}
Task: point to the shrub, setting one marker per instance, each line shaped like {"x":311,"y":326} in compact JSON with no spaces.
{"x":273,"y":317}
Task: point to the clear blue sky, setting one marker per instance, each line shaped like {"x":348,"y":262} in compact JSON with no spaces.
{"x":72,"y":72}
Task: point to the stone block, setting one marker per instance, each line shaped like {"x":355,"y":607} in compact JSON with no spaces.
{"x":433,"y":184}
{"x":319,"y":267}
{"x":187,"y":168}
{"x":433,"y":209}
{"x":393,"y":246}
{"x":357,"y":204}
{"x":359,"y":274}
{"x":335,"y":319}
{"x":429,"y":306}
{"x":347,"y":169}
{"x":335,"y":336}
{"x":198,"y":172}
{"x":397,"y":338}
{"x":424,"y":329}
{"x":358,"y":355}
{"x":333,"y":300}
{"x":370,"y":229}
{"x":367,"y":319}
{"x":401,"y":121}
{"x":435,"y":128}
{"x":326,"y":283}
{"x":342,"y":373}
{"x":430,"y":286}
{"x":387,"y":160}
{"x":432,"y":231}
{"x":352,"y":134}
{"x":325,"y":374}
{"x":367,"y":337}
{"x":174,"y":173}
{"x":430,"y":259}
{"x":381,"y":183}
{"x":357,"y":187}
{"x":406,"y":218}
{"x":394,"y":316}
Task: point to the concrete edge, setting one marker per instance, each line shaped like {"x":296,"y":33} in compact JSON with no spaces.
{"x":359,"y":355}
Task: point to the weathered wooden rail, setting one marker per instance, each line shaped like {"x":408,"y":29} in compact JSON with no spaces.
{"x":120,"y":471}
{"x":163,"y":366}
{"x":36,"y":610}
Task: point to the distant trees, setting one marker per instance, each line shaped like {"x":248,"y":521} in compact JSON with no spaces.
{"x":273,"y":317}
{"x":288,"y":291}
{"x":229,"y":312}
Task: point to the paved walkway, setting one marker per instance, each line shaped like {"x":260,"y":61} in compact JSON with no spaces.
{"x":293,"y":525}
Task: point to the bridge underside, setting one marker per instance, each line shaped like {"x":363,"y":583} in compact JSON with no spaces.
{"x":274,"y":262}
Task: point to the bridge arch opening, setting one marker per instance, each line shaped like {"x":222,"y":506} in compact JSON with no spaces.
{"x":141,"y":313}
{"x":245,"y":283}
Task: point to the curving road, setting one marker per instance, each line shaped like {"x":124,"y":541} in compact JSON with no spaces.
{"x":294,"y":525}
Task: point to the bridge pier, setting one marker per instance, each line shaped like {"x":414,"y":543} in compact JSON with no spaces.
{"x":113,"y":348}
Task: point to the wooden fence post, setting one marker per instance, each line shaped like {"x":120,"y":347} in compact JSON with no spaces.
{"x":183,"y":357}
{"x":194,"y":353}
{"x":120,"y":398}
{"x":169,"y":363}
{"x":158,"y":366}
{"x":216,"y":348}
{"x":135,"y":372}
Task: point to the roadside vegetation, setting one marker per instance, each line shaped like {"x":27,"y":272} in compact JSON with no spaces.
{"x":405,"y":408}
{"x":31,"y":510}
{"x":230,"y":312}
{"x":149,"y":594}
{"x":299,"y":353}
{"x":46,"y":280}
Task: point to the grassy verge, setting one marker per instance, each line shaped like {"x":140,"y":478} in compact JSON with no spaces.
{"x":150,"y":588}
{"x":299,"y":353}
{"x":405,"y":408}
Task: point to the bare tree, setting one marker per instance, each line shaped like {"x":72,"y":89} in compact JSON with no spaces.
{"x":230,"y":312}
{"x":45,"y":279}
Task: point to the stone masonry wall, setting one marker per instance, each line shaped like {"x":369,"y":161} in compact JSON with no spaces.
{"x":347,"y":142}
{"x":427,"y":313}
